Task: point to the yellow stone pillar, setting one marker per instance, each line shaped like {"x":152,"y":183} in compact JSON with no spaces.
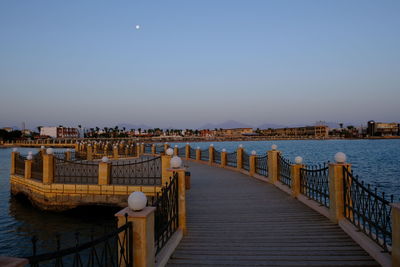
{"x":252,"y":163}
{"x":165,"y":166}
{"x":138,"y":150}
{"x":395,"y":234}
{"x":142,"y":238}
{"x":115,"y":152}
{"x":239,"y":159}
{"x":68,"y":155}
{"x":76,"y":147}
{"x":181,"y":198}
{"x":104,"y":173}
{"x":153,"y":149}
{"x":127,"y":151}
{"x":211,"y":155}
{"x":89,"y":153}
{"x":198,"y":154}
{"x":166,"y":146}
{"x":187,"y":151}
{"x":224,"y":158}
{"x":273,"y":167}
{"x":176,"y":151}
{"x":14,"y":156}
{"x":48,"y":168}
{"x":28,"y":168}
{"x":295,"y":176}
{"x":336,"y":190}
{"x":142,"y":148}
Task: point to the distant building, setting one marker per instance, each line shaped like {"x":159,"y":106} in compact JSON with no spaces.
{"x":59,"y":132}
{"x":8,"y":129}
{"x":383,"y":128}
{"x":234,"y":132}
{"x":320,"y":131}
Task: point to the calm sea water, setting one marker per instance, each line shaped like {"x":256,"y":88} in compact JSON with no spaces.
{"x":376,"y":161}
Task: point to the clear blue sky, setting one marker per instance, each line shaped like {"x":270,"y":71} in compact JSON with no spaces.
{"x":194,"y":62}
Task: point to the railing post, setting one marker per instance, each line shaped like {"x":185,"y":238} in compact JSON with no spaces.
{"x":142,"y":240}
{"x":273,"y":167}
{"x":165,"y":166}
{"x":296,"y":174}
{"x":224,"y":158}
{"x":187,"y":151}
{"x":198,"y":154}
{"x":181,"y":197}
{"x":211,"y":155}
{"x":153,"y":149}
{"x":89,"y":153}
{"x":239,"y":159}
{"x":104,"y":173}
{"x":115,"y":152}
{"x":336,"y":190}
{"x":28,"y":168}
{"x":142,"y":148}
{"x":166,"y":146}
{"x":138,"y":150}
{"x":252,"y":163}
{"x":176,"y":151}
{"x":395,"y":234}
{"x":68,"y":155}
{"x":76,"y":146}
{"x":48,"y":168}
{"x":14,"y":156}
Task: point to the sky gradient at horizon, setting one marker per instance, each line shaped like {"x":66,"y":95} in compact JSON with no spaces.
{"x":198,"y":62}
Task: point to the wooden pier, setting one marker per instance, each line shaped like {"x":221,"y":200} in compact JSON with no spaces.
{"x":236,"y":220}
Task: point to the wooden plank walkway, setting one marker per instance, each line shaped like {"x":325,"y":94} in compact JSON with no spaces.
{"x":235,"y":220}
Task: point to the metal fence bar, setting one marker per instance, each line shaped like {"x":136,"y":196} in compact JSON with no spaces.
{"x":204,"y":155}
{"x":284,"y":166}
{"x":217,"y":156}
{"x":74,"y":172}
{"x":231,"y":159}
{"x":246,"y":161}
{"x":20,"y":165}
{"x":261,"y":165}
{"x":366,"y":210}
{"x":314,"y":183}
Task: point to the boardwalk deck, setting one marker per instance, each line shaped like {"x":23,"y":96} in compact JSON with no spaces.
{"x":234,"y":220}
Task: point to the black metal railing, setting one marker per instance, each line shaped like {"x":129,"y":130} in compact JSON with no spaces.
{"x":75,"y":172}
{"x":217,"y":156}
{"x":182,"y":151}
{"x":262,"y":165}
{"x":368,"y":211}
{"x":59,"y":154}
{"x":231,"y":159}
{"x":314,"y":183}
{"x":20,"y":165}
{"x":160,"y":149}
{"x":147,"y":172}
{"x":204,"y":154}
{"x":37,"y":167}
{"x":192,"y":153}
{"x":80,"y":155}
{"x":111,"y":249}
{"x":147,"y":148}
{"x":245,"y":161}
{"x":284,"y":166}
{"x":166,"y":220}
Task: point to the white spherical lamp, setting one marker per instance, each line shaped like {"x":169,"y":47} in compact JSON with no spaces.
{"x":15,"y":149}
{"x":29,"y":157}
{"x":340,"y":157}
{"x":104,"y":159}
{"x":166,"y":143}
{"x":298,"y":160}
{"x":137,"y":201}
{"x":176,"y":162}
{"x":240,"y":146}
{"x":198,"y":148}
{"x":41,"y":147}
{"x":49,"y":151}
{"x":68,"y":150}
{"x":175,"y":145}
{"x":274,"y":147}
{"x":169,"y":152}
{"x":187,"y":143}
{"x":253,"y":152}
{"x":223,"y":150}
{"x":211,"y":145}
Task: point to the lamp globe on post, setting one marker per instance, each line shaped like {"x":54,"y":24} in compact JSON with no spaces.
{"x":298,"y":160}
{"x":137,"y":201}
{"x":340,"y":158}
{"x":274,"y":147}
{"x":176,"y":162}
{"x":15,"y":149}
{"x":223,"y":150}
{"x":253,"y":152}
{"x":169,"y":152}
{"x":49,"y":151}
{"x":241,"y":146}
{"x":104,"y":159}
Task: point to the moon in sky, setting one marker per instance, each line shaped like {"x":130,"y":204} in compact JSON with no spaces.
{"x":137,"y":27}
